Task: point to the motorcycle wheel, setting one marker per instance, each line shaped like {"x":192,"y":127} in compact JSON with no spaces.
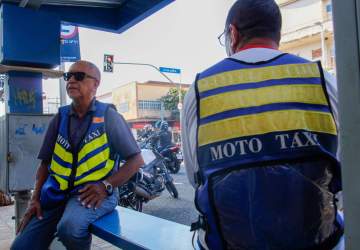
{"x":174,"y":167}
{"x":137,"y":205}
{"x":134,"y":203}
{"x":172,"y":189}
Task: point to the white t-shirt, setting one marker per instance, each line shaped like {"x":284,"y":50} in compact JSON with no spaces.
{"x":189,"y":112}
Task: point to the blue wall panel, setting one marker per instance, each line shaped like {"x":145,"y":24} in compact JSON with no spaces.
{"x":30,"y":38}
{"x":25,"y":91}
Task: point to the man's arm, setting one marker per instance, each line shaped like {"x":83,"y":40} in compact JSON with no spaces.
{"x":331,"y":87}
{"x":126,"y":171}
{"x":122,"y":143}
{"x":34,"y":207}
{"x":42,"y":173}
{"x":188,"y":134}
{"x":41,"y":176}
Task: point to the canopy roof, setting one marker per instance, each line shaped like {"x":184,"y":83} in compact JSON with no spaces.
{"x":108,"y":15}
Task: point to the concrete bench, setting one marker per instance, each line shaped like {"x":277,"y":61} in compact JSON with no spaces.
{"x":132,"y":230}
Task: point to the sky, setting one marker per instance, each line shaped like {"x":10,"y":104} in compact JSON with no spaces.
{"x":182,"y":35}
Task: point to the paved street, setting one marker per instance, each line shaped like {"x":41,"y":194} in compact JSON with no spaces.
{"x":180,"y":210}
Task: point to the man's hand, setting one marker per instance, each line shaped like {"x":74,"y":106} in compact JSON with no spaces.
{"x":92,"y":195}
{"x":34,"y":208}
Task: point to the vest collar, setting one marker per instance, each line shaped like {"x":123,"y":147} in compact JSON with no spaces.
{"x":92,"y":108}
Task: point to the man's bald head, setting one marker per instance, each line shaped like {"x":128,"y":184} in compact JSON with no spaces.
{"x":92,"y":69}
{"x":83,"y":88}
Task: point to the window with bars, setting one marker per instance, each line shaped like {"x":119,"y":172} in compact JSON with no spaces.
{"x":149,"y":105}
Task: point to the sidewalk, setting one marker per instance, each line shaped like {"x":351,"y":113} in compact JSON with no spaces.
{"x":7,"y":231}
{"x":7,"y":226}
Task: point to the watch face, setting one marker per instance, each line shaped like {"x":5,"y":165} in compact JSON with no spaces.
{"x":109,"y":188}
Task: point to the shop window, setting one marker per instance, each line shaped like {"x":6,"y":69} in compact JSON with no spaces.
{"x":149,"y":105}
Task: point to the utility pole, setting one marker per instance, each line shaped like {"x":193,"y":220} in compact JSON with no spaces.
{"x":323,"y":44}
{"x":62,"y":86}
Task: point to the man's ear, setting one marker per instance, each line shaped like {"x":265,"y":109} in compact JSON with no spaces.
{"x":234,"y":34}
{"x":97,"y":83}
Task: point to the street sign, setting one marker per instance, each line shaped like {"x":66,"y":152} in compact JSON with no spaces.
{"x":108,"y":63}
{"x":170,"y":70}
{"x":70,"y":45}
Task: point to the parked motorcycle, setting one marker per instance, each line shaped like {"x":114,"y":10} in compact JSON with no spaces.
{"x":172,"y":154}
{"x":158,"y":170}
{"x":173,"y":158}
{"x":148,"y":183}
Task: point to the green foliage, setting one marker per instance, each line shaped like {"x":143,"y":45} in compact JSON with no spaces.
{"x":171,"y":99}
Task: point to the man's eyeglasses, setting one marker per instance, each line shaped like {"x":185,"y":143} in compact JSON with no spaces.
{"x":78,"y":76}
{"x":221,"y":38}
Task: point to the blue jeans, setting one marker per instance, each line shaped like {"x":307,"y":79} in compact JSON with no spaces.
{"x":70,"y":222}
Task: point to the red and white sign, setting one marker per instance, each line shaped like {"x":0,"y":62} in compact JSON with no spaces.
{"x":68,"y":31}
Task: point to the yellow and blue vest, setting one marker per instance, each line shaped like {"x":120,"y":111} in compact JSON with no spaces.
{"x":257,"y":123}
{"x":70,"y":167}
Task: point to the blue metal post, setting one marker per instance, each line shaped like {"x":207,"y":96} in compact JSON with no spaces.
{"x":347,"y":44}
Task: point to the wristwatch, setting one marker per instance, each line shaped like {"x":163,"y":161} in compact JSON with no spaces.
{"x":108,"y":187}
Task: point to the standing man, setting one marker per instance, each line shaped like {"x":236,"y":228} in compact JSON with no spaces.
{"x":77,"y":179}
{"x":260,"y":142}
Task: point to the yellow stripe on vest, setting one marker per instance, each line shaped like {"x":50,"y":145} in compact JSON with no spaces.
{"x":258,"y":75}
{"x":63,"y":183}
{"x":58,"y":169}
{"x":97,"y":175}
{"x":91,"y":146}
{"x":303,"y":93}
{"x":63,"y":154}
{"x":262,"y":123}
{"x":93,"y":162}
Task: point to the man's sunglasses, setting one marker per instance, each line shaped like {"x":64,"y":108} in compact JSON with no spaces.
{"x":78,"y":76}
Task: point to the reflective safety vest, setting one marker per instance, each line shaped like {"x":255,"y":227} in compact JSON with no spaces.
{"x":70,"y":167}
{"x":266,"y":148}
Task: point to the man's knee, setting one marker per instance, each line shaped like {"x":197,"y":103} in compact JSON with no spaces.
{"x":70,"y":229}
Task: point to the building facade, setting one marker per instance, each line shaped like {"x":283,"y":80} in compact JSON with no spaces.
{"x":308,"y":30}
{"x":140,"y":104}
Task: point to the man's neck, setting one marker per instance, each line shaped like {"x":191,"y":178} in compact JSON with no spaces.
{"x":81,"y":107}
{"x":259,"y":43}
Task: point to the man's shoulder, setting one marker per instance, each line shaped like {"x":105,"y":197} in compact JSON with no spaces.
{"x":232,"y":63}
{"x":296,"y":59}
{"x":214,"y":69}
{"x":104,"y":104}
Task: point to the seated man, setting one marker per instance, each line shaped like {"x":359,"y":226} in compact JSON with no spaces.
{"x":78,"y":175}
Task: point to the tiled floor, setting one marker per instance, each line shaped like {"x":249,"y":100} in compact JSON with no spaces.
{"x":7,"y":231}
